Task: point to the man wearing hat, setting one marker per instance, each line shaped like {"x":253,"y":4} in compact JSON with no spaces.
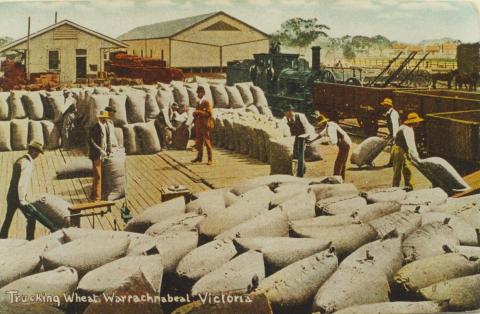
{"x":393,"y":121}
{"x":298,"y":124}
{"x":17,"y":193}
{"x":404,"y":150}
{"x":335,"y":135}
{"x":203,"y":124}
{"x":101,"y":142}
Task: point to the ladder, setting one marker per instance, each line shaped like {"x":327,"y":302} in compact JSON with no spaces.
{"x":385,"y":70}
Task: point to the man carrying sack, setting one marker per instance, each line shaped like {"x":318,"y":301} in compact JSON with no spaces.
{"x":334,"y":135}
{"x":101,"y":142}
{"x":203,"y":122}
{"x":17,"y":194}
{"x":393,"y":121}
{"x":405,"y":150}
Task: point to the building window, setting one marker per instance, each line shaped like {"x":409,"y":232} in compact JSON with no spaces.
{"x":151,"y":53}
{"x":93,"y":68}
{"x":162,"y":54}
{"x":53,"y":60}
{"x":141,"y":53}
{"x":81,"y":52}
{"x":133,"y":53}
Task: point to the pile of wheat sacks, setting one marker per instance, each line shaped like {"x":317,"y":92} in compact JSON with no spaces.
{"x":259,"y":136}
{"x":32,"y":116}
{"x":307,"y":244}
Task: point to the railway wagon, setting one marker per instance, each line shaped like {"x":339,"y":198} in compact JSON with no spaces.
{"x":455,"y":136}
{"x":341,"y":101}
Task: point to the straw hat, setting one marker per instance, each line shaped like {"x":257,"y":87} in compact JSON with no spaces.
{"x":387,"y":102}
{"x":319,"y":117}
{"x":413,"y":118}
{"x":103,"y":114}
{"x":36,"y":145}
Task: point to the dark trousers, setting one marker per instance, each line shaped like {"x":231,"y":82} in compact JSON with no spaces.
{"x":203,"y":139}
{"x":341,"y":161}
{"x":12,"y":206}
{"x":30,"y":213}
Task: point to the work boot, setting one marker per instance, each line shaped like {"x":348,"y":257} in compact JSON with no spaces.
{"x":196,"y":160}
{"x":210,"y":163}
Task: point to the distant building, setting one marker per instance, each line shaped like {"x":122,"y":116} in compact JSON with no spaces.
{"x":66,"y":48}
{"x":197,"y":42}
{"x":414,"y":48}
{"x":432,"y":49}
{"x":449,"y":49}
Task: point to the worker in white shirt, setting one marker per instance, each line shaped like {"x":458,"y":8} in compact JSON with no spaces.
{"x":17,"y":193}
{"x":333,"y":134}
{"x":405,"y":150}
{"x":393,"y":121}
{"x":298,"y":124}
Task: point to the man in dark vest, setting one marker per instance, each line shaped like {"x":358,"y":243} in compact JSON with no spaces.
{"x":102,"y":140}
{"x":298,"y":124}
{"x":17,"y":193}
{"x":405,"y":150}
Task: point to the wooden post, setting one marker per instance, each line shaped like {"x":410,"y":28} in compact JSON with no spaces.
{"x":221,"y":58}
{"x":28,"y":52}
{"x":56,"y":17}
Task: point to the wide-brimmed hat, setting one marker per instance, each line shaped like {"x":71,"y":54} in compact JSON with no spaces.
{"x":110,"y":109}
{"x":36,"y":145}
{"x":412,"y":118}
{"x":320,"y":118}
{"x":103,"y":114}
{"x":387,"y":102}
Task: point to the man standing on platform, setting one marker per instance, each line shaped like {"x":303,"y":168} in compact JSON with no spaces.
{"x":203,"y":123}
{"x":102,"y":139}
{"x":17,"y":193}
{"x":334,"y":135}
{"x":393,"y":121}
{"x":405,"y":150}
{"x":298,"y":124}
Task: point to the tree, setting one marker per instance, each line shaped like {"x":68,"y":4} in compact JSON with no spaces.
{"x":299,"y":32}
{"x":381,"y":43}
{"x":348,"y":51}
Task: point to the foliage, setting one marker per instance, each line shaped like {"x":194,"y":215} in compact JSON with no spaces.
{"x":348,"y":51}
{"x":299,"y":32}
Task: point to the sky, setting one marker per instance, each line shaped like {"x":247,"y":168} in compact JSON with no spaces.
{"x":403,"y":20}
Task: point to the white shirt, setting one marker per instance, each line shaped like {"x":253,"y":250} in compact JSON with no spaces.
{"x":309,"y":129}
{"x":25,"y":178}
{"x":394,"y":118}
{"x":409,"y":136}
{"x":331,"y":131}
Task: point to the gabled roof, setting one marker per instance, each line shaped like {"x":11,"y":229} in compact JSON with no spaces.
{"x":171,"y":28}
{"x":61,"y":23}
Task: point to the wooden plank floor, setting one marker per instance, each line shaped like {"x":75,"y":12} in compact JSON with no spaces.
{"x":147,"y":174}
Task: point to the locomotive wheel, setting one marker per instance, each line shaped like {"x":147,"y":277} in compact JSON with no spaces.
{"x":369,"y":126}
{"x":353,"y":81}
{"x":328,"y":77}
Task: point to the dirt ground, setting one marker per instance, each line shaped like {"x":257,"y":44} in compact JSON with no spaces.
{"x":222,"y":174}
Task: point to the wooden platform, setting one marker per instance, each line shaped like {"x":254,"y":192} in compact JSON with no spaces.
{"x":147,"y":174}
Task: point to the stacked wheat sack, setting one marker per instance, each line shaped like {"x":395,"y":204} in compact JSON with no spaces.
{"x":139,"y":106}
{"x":306,"y":244}
{"x":27,"y":116}
{"x":249,"y":133}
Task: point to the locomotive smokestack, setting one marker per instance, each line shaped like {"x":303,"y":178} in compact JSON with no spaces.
{"x":316,"y":58}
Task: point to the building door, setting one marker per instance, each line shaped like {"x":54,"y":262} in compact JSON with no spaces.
{"x":81,"y":67}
